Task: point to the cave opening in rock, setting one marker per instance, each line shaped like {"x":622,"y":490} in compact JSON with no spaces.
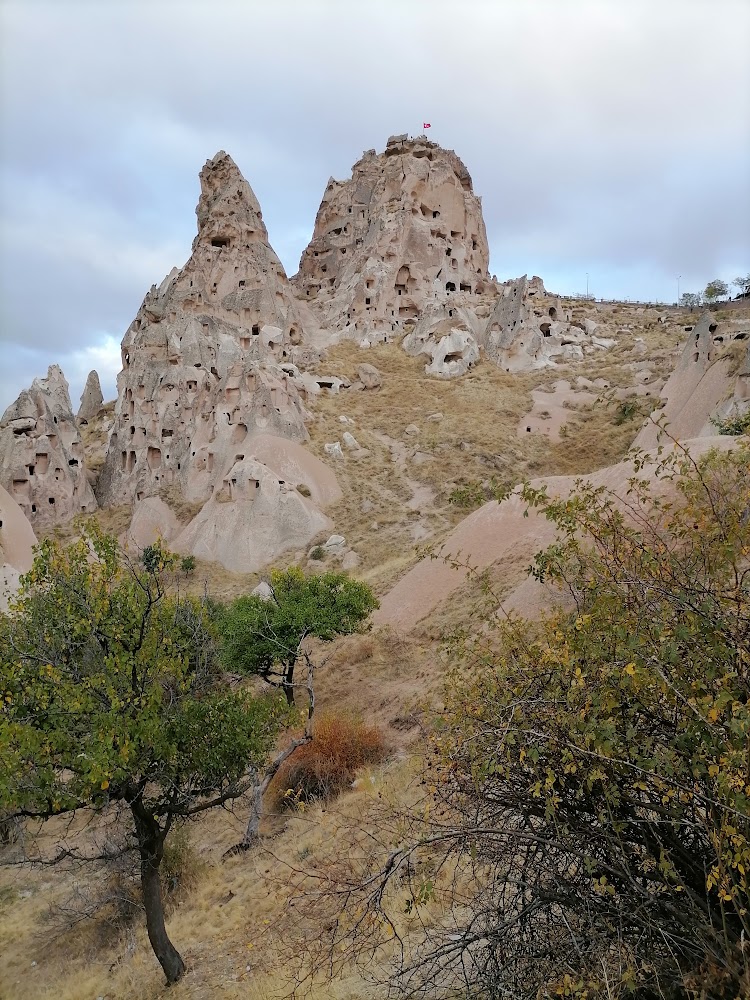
{"x":220,"y":241}
{"x":450,"y":286}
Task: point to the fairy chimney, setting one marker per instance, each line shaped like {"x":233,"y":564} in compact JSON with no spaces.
{"x":201,"y":360}
{"x":405,"y":232}
{"x":91,"y":399}
{"x":41,"y":455}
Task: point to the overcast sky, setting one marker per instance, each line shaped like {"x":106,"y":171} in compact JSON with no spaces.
{"x":605,"y":137}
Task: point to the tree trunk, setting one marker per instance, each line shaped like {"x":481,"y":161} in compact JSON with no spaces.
{"x":251,"y":831}
{"x":288,"y":683}
{"x":151,"y":846}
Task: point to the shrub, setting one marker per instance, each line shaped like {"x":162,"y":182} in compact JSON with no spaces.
{"x":734,"y":424}
{"x":328,"y":764}
{"x":318,"y":553}
{"x":304,"y":490}
{"x":187,"y":565}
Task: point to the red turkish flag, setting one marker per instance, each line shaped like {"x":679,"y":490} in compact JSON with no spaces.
{"x":426,"y":125}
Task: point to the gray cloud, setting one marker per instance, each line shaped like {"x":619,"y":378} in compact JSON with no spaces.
{"x":604,"y":137}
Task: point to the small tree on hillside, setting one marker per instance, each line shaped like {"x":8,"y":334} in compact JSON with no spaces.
{"x":715,"y":290}
{"x":266,"y":636}
{"x":112,"y":697}
{"x":742,"y":284}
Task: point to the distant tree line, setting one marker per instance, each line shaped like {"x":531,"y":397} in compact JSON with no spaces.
{"x":715,"y":291}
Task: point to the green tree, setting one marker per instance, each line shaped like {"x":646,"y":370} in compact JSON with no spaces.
{"x":266,"y":636}
{"x":690,"y":300}
{"x":112,"y":698}
{"x":591,"y":772}
{"x":742,"y":283}
{"x":715,"y":289}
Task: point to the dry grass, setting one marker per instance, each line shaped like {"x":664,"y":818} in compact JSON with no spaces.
{"x":185,"y":510}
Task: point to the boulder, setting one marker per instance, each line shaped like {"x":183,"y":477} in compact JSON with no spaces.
{"x":333,"y":448}
{"x":369,"y":376}
{"x":350,"y":441}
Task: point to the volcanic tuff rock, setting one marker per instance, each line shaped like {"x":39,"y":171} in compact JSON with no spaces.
{"x":529,"y":329}
{"x":91,"y":399}
{"x":405,"y":232}
{"x":17,"y":541}
{"x":200,"y":360}
{"x":41,"y":454}
{"x":705,"y":385}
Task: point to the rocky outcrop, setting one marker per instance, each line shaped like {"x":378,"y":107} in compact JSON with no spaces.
{"x":201,"y":369}
{"x":708,"y":384}
{"x":91,"y":399}
{"x":405,"y":232}
{"x":41,"y":455}
{"x":530,"y":329}
{"x":449,"y":341}
{"x":17,"y":541}
{"x":252,"y":517}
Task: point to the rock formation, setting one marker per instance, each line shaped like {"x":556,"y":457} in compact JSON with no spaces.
{"x":404,"y":233}
{"x":200,"y":373}
{"x":91,"y":399}
{"x":41,"y":454}
{"x":17,"y":541}
{"x":251,"y":518}
{"x":529,"y":329}
{"x":707,"y":384}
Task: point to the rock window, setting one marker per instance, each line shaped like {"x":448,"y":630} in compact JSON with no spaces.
{"x":367,"y":302}
{"x":473,"y":244}
{"x":545,"y":328}
{"x":448,"y":252}
{"x":450,"y":286}
{"x":33,"y":508}
{"x":349,"y":210}
{"x":401,"y":289}
{"x":553,"y":312}
{"x":241,"y":283}
{"x":73,"y":463}
{"x":256,"y":330}
{"x":51,"y":501}
{"x":220,"y":241}
{"x":31,"y":470}
{"x":464,"y":288}
{"x":343,"y":250}
{"x":436,"y":215}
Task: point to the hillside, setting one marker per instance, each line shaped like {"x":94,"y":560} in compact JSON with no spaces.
{"x":254,"y":420}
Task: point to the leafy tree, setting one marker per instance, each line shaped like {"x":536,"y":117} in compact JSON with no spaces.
{"x":743,"y":284}
{"x":266,"y":636}
{"x":112,"y":698}
{"x":715,"y":289}
{"x":591,"y":790}
{"x":690,"y":300}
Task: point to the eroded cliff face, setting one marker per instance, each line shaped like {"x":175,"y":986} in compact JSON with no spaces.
{"x":41,"y":455}
{"x":403,"y":234}
{"x":201,"y":359}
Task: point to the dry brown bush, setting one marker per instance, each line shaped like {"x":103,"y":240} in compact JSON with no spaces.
{"x":323,"y":768}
